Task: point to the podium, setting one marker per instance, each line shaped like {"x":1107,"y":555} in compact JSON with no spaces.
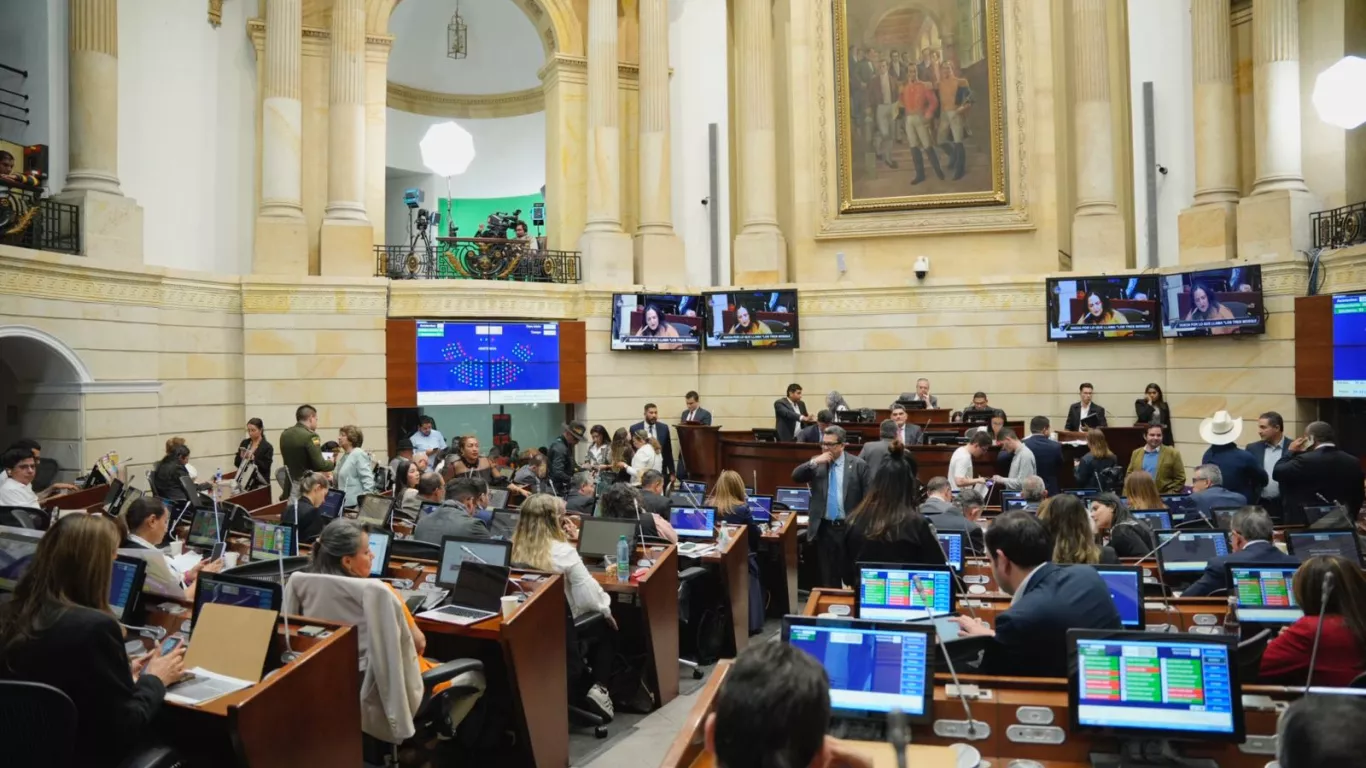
{"x":700,"y":450}
{"x":1123,"y":441}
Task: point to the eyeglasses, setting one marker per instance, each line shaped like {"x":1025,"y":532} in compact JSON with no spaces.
{"x":26,"y":466}
{"x":830,"y":445}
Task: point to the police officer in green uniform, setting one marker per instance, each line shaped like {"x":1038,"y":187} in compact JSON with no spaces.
{"x":300,"y":448}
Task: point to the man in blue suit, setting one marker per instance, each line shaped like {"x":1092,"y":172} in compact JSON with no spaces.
{"x":1252,"y":530}
{"x":1047,"y":453}
{"x":1271,"y":448}
{"x":1046,"y":601}
{"x":1209,"y":493}
{"x":660,"y":432}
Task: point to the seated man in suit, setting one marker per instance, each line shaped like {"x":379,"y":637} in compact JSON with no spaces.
{"x":695,"y":414}
{"x":455,"y":516}
{"x":652,"y":494}
{"x":581,"y":499}
{"x":1047,"y":600}
{"x":1083,"y":410}
{"x":811,"y":433}
{"x":1047,"y":453}
{"x":838,"y":481}
{"x":922,"y":394}
{"x":1209,"y":493}
{"x":908,"y":433}
{"x":1315,"y":469}
{"x":944,"y":515}
{"x":789,"y":414}
{"x":1250,"y":533}
{"x":1163,"y":462}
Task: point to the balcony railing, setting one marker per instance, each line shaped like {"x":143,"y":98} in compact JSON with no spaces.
{"x":469,"y":258}
{"x":1339,"y":227}
{"x":30,"y":221}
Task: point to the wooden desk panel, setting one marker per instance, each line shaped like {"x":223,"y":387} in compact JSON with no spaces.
{"x":1123,"y":441}
{"x":252,"y":500}
{"x":657,"y":592}
{"x":699,"y":448}
{"x":79,"y":499}
{"x":733,"y":564}
{"x":772,"y":463}
{"x":781,"y":580}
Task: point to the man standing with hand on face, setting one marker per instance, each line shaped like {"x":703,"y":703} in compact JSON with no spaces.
{"x":838,"y":482}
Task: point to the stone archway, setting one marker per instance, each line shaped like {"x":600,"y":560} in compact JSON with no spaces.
{"x":42,"y":393}
{"x":555,"y":21}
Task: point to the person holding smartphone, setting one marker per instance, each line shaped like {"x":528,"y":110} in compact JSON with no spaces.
{"x":58,"y":631}
{"x":148,"y":526}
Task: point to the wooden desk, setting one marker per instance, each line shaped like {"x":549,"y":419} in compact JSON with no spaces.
{"x":79,"y":499}
{"x":778,"y":571}
{"x":252,"y":500}
{"x":315,"y":697}
{"x":656,"y":591}
{"x":699,"y":448}
{"x":961,"y":428}
{"x":772,"y":463}
{"x":733,"y":567}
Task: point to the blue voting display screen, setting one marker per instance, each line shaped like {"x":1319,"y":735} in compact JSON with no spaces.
{"x":487,"y":363}
{"x":871,"y":670}
{"x":1349,"y":346}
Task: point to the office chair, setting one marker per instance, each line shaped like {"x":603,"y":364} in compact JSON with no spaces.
{"x":576,"y":633}
{"x":46,"y":474}
{"x":1250,"y":655}
{"x":38,"y":727}
{"x":19,"y":517}
{"x":684,"y":576}
{"x":398,"y":702}
{"x":414,"y":549}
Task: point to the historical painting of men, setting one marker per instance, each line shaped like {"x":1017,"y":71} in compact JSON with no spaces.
{"x":920,"y":105}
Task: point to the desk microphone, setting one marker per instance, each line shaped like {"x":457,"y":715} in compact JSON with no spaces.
{"x":289,"y":654}
{"x":473,"y":556}
{"x":948,"y":658}
{"x":1166,"y":592}
{"x":964,"y":587}
{"x":1318,"y":631}
{"x":898,"y":734}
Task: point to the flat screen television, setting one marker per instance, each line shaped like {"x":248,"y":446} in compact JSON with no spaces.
{"x":751,"y":320}
{"x":1102,"y":308}
{"x":487,"y":363}
{"x":1349,"y":345}
{"x":656,"y":321}
{"x":1214,"y":302}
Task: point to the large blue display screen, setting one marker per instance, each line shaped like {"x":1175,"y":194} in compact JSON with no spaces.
{"x":487,"y":363}
{"x":1349,"y":346}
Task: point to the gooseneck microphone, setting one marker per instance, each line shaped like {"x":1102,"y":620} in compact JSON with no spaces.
{"x":948,"y":658}
{"x":898,"y":734}
{"x":1165,"y":594}
{"x":1318,"y":631}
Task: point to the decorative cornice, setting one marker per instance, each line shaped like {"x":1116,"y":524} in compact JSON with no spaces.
{"x":256,"y":29}
{"x":465,"y":106}
{"x":482,"y":298}
{"x":271,"y":295}
{"x":71,"y":278}
{"x":564,"y":63}
{"x":97,"y":388}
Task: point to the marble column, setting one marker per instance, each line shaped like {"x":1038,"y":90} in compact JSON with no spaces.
{"x":281,"y":245}
{"x":659,"y":256}
{"x":111,"y":224}
{"x":607,"y":250}
{"x":1098,"y":239}
{"x":347,"y":237}
{"x":1275,"y":218}
{"x":1207,"y":230}
{"x":759,"y":254}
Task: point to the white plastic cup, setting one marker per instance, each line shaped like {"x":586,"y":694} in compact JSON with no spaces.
{"x":230,"y":559}
{"x":509,"y":605}
{"x":177,"y":548}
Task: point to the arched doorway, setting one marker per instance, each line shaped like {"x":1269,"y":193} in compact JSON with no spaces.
{"x":42,"y":385}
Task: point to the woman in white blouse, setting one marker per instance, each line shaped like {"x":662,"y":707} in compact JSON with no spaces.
{"x":647,"y":456}
{"x":541,"y":542}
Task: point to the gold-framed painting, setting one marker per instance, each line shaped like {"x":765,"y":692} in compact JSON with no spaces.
{"x":920,"y":104}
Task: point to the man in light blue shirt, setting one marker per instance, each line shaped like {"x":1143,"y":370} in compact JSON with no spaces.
{"x":427,"y":439}
{"x":838,"y":483}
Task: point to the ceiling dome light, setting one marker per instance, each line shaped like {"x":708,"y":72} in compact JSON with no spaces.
{"x":1340,"y":93}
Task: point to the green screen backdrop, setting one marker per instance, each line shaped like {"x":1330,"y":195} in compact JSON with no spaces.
{"x":468,"y":213}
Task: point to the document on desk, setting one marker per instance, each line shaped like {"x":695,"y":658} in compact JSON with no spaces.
{"x":204,"y":686}
{"x":186,"y":561}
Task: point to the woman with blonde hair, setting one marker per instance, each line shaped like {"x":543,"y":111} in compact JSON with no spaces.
{"x":620,"y":454}
{"x":647,"y":456}
{"x":1093,"y":468}
{"x":1074,"y":537}
{"x":1140,"y":491}
{"x":541,"y":542}
{"x":58,"y":631}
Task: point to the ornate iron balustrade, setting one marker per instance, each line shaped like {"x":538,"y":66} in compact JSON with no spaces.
{"x":28,"y":220}
{"x":1339,"y":227}
{"x":470,"y":258}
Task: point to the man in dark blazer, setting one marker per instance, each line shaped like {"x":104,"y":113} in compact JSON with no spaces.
{"x":1267,"y":452}
{"x":695,"y":414}
{"x":1209,"y":493}
{"x":1250,"y":533}
{"x":1084,"y":409}
{"x":944,"y":515}
{"x":1047,"y":453}
{"x":1316,"y":472}
{"x":581,"y":500}
{"x":829,"y":522}
{"x":789,"y":413}
{"x":652,"y":493}
{"x":811,"y":433}
{"x":660,"y":432}
{"x":874,"y":453}
{"x":906,"y":432}
{"x":1047,"y":600}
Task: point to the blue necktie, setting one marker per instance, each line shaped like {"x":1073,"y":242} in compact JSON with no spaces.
{"x":832,"y":501}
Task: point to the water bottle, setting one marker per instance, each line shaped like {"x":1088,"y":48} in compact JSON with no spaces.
{"x":1232,"y":627}
{"x":623,"y":560}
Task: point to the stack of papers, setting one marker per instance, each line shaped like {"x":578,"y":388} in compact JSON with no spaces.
{"x":186,"y":561}
{"x":204,"y":686}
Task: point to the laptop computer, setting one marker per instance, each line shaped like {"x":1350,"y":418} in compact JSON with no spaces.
{"x":227,"y":589}
{"x":760,"y":508}
{"x":688,"y":486}
{"x":125,"y":586}
{"x":498,"y":498}
{"x":1314,"y":514}
{"x":373,"y":509}
{"x":380,"y":539}
{"x":475,"y":596}
{"x":504,"y":523}
{"x":1126,"y":592}
{"x":456,"y":551}
{"x":1338,"y":542}
{"x":1011,"y":505}
{"x":331,"y":507}
{"x":1156,"y":519}
{"x":874,"y":667}
{"x":954,"y":543}
{"x":1265,"y":594}
{"x":1192,"y":553}
{"x":795,"y":499}
{"x":206,"y":529}
{"x":693,"y":522}
{"x":599,"y":536}
{"x":272,"y":542}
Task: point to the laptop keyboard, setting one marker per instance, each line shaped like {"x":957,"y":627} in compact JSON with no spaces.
{"x":463,"y":612}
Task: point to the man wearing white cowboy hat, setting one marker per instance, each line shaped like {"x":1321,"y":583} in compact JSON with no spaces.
{"x":1242,"y":474}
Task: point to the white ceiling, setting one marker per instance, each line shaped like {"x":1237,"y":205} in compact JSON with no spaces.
{"x":504,"y":49}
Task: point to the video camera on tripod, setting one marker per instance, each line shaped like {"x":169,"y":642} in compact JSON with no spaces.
{"x":413,"y":198}
{"x":500,"y":224}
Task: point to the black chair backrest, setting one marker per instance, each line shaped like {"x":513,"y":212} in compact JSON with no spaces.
{"x":37,"y":724}
{"x":46,"y":475}
{"x":19,"y":517}
{"x":1250,"y":655}
{"x":422,"y":550}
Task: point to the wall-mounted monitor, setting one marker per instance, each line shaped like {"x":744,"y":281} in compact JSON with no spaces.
{"x":751,"y":320}
{"x":1349,"y":345}
{"x":1214,"y":302}
{"x":667,"y":322}
{"x":487,"y":363}
{"x":1100,"y":308}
